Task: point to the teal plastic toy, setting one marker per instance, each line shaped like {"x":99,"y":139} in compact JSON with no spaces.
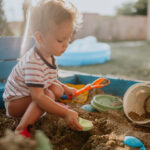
{"x":134,"y":142}
{"x":88,"y":107}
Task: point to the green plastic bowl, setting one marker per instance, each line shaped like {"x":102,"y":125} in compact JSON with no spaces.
{"x":86,"y":124}
{"x":100,"y":109}
{"x":106,"y":102}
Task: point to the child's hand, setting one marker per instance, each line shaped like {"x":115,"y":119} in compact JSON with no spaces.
{"x":69,"y":91}
{"x":71,"y":119}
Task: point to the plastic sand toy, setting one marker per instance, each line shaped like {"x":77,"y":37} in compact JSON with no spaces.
{"x":82,"y":98}
{"x":133,"y":142}
{"x":88,"y":107}
{"x":106,"y":102}
{"x":26,"y":132}
{"x":86,"y":124}
{"x":43,"y":142}
{"x":99,"y":83}
{"x":136,"y":104}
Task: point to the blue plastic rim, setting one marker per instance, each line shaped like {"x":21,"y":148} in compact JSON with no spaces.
{"x":117,"y":87}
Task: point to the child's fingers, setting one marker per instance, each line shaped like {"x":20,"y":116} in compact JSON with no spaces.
{"x":72,"y":126}
{"x":77,"y":125}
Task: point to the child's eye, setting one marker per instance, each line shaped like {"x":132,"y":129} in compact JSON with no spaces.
{"x":59,"y":41}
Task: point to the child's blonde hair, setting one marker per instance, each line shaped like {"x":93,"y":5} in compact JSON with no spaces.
{"x":46,"y":12}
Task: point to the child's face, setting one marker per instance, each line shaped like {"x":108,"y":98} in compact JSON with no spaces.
{"x":55,"y":42}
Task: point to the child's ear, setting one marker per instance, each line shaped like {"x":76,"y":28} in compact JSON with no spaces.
{"x":38,"y":37}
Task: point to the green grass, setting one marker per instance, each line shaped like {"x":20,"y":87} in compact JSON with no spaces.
{"x":128,"y":59}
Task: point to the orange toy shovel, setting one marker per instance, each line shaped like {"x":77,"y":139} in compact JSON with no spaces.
{"x":99,"y":83}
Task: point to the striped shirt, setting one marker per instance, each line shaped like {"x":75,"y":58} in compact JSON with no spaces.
{"x":32,"y":70}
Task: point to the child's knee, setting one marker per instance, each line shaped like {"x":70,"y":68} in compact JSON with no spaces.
{"x":49,"y":93}
{"x":57,"y":89}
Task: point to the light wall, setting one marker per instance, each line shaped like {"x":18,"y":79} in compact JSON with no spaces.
{"x":111,"y":28}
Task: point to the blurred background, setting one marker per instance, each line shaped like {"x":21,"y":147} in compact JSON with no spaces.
{"x":123,"y":24}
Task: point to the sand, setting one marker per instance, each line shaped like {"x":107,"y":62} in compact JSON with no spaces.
{"x":108,"y":133}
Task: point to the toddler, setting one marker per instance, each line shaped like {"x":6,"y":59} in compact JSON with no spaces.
{"x":32,"y":86}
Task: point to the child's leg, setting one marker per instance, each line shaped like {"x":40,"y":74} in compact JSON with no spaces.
{"x":17,"y":108}
{"x":49,"y":93}
{"x":57,"y":89}
{"x":27,"y":109}
{"x":31,"y":115}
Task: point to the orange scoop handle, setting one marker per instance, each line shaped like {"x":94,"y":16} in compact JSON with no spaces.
{"x":96,"y":84}
{"x":86,"y":88}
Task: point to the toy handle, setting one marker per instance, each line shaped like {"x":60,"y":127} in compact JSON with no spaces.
{"x":98,"y":81}
{"x":95,"y":84}
{"x":78,"y":92}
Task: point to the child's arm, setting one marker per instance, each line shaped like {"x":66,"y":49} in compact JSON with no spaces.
{"x":49,"y":105}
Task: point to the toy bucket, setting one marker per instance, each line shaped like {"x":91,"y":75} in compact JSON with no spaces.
{"x":136,"y":103}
